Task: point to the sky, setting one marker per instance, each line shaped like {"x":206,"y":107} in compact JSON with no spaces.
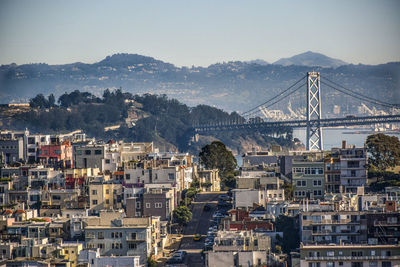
{"x":198,"y":33}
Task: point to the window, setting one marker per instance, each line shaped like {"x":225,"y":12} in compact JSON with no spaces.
{"x":58,"y":152}
{"x":298,"y":183}
{"x":330,"y":253}
{"x":127,"y":176}
{"x":107,"y":201}
{"x":138,"y":214}
{"x":158,"y":205}
{"x":132,"y":246}
{"x":100,"y":245}
{"x":138,"y":205}
{"x":317,"y":182}
{"x":107,"y":191}
{"x":373,"y":264}
{"x":340,"y":263}
{"x":356,"y":253}
{"x":133,"y":236}
{"x":386,"y":264}
{"x":330,"y":264}
{"x":96,"y":152}
{"x":372,"y":252}
{"x":147,"y":205}
{"x":94,"y":201}
{"x":94,"y":192}
{"x":100,"y":235}
{"x":88,"y":152}
{"x":31,"y":150}
{"x":304,"y":183}
{"x":356,"y":264}
{"x":171,"y":176}
{"x":108,"y":161}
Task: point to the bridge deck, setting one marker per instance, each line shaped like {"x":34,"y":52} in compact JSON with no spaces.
{"x":333,"y":122}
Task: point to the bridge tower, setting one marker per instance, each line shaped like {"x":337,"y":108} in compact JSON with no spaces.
{"x":314,"y":131}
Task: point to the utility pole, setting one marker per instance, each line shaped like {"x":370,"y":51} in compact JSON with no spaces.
{"x":314,"y":131}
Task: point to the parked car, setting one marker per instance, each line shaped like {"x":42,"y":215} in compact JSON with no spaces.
{"x":207,"y":207}
{"x":218,"y":215}
{"x":177,"y":257}
{"x":224,"y":198}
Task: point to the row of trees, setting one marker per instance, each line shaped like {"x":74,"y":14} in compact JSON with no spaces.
{"x":162,"y":119}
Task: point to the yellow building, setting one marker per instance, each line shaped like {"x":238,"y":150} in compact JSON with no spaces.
{"x":70,"y":251}
{"x":105,"y":196}
{"x":75,"y":173}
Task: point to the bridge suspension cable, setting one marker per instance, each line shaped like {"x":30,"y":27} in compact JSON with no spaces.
{"x":357,"y":95}
{"x":251,"y":111}
{"x":273,"y":103}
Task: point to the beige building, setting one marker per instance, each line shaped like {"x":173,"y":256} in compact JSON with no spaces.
{"x":209,"y":180}
{"x":105,"y":196}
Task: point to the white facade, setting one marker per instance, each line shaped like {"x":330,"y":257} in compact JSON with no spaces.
{"x":245,"y":198}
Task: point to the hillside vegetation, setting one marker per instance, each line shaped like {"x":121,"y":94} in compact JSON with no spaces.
{"x":141,"y":118}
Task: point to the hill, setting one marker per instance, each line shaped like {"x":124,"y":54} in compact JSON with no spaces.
{"x":311,"y":59}
{"x":141,"y":118}
{"x":232,"y":86}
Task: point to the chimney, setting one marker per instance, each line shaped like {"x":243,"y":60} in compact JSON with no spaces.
{"x":343,"y":144}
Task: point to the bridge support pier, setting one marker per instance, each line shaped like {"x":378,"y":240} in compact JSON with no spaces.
{"x":314,"y":131}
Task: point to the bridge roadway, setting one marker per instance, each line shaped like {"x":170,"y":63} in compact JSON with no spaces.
{"x":333,"y":122}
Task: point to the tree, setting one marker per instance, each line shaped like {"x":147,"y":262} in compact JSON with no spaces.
{"x":51,"y":101}
{"x":39,"y":101}
{"x":384,"y":151}
{"x":182,"y":215}
{"x":289,"y":189}
{"x":217,"y":156}
{"x":289,"y":227}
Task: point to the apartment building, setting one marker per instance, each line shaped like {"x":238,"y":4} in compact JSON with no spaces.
{"x":35,"y":142}
{"x":114,"y":235}
{"x":384,"y":228}
{"x":349,"y":255}
{"x":333,"y":227}
{"x":11,"y":150}
{"x":308,"y":176}
{"x":105,"y":195}
{"x":353,"y":168}
{"x":332,"y":172}
{"x":241,"y":241}
{"x":159,"y":201}
{"x":56,"y":155}
{"x":209,"y":180}
{"x":89,"y":156}
{"x":247,"y":198}
{"x":134,"y":152}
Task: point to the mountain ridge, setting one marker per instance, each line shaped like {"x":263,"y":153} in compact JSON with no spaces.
{"x":234,"y":85}
{"x":311,"y":59}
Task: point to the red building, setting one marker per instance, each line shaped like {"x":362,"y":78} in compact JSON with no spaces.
{"x":240,"y":220}
{"x":56,"y":155}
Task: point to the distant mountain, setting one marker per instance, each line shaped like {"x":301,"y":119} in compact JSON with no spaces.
{"x":232,"y":86}
{"x":311,"y":59}
{"x":258,"y":61}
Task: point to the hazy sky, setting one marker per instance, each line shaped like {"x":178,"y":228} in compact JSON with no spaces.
{"x":198,"y":32}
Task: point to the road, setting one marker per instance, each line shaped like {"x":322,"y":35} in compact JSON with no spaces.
{"x":201,"y":221}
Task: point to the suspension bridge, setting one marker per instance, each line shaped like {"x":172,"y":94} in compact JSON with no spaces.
{"x":314,"y":121}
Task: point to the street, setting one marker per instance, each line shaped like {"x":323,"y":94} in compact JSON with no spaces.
{"x":201,"y":221}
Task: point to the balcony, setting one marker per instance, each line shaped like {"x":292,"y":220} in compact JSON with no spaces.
{"x":385,"y":223}
{"x":350,"y":258}
{"x":130,"y":239}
